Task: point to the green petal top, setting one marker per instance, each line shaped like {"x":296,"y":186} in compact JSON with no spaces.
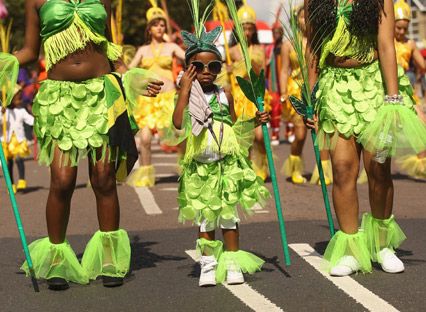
{"x":345,"y":44}
{"x":220,"y":114}
{"x":67,"y":27}
{"x":58,"y":15}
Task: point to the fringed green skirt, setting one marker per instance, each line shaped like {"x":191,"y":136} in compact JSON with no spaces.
{"x":84,"y":118}
{"x":351,"y":104}
{"x":213,"y":191}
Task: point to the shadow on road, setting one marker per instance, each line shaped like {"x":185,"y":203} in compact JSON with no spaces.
{"x":165,"y":180}
{"x":143,"y":257}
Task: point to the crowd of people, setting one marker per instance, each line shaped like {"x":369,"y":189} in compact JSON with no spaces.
{"x":84,"y":101}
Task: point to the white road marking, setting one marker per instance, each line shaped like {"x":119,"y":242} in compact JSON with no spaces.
{"x":257,"y":206}
{"x":166,"y":175}
{"x":162,"y":155}
{"x":352,"y":288}
{"x":249,"y":296}
{"x":261,"y":211}
{"x":169,"y":189}
{"x":147,"y":201}
{"x":165,"y":164}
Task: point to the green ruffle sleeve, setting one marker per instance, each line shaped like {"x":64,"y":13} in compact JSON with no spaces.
{"x":9,"y":69}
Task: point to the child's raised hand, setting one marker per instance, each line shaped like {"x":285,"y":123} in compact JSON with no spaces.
{"x":187,"y":78}
{"x":262,"y":118}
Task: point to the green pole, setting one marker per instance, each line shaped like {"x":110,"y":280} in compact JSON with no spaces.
{"x":275,"y":186}
{"x":321,"y":175}
{"x":18,"y":218}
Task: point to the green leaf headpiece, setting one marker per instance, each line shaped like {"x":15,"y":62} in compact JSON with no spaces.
{"x":200,"y":40}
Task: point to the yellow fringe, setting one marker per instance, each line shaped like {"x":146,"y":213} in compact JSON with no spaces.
{"x":294,"y":167}
{"x":74,"y":38}
{"x":144,"y":176}
{"x":328,"y":173}
{"x":414,"y":165}
{"x":259,"y":162}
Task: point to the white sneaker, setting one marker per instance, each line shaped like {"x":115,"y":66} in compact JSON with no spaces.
{"x":275,"y":142}
{"x":390,"y":262}
{"x":345,"y":266}
{"x":208,"y":271}
{"x":234,"y":277}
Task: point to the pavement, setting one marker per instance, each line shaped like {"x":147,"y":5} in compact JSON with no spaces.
{"x":164,"y":275}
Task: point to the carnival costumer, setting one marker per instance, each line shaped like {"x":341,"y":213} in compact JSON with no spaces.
{"x":16,"y":143}
{"x":406,"y":51}
{"x":80,"y":112}
{"x":291,"y":84}
{"x":154,"y":114}
{"x":217,"y":177}
{"x":244,"y":106}
{"x":273,"y":73}
{"x":364,"y":105}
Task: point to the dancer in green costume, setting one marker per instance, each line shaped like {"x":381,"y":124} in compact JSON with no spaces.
{"x":364,"y":105}
{"x":80,"y":111}
{"x":217,"y":176}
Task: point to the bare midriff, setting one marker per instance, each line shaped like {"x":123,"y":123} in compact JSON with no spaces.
{"x":90,"y":62}
{"x":345,"y":62}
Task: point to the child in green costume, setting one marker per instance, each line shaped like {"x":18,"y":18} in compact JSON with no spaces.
{"x":216,"y":173}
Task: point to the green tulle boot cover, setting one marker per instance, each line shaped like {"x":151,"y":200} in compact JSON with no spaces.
{"x":240,"y":260}
{"x":207,"y":247}
{"x":55,"y":260}
{"x":107,"y":254}
{"x":381,"y":234}
{"x":343,"y":244}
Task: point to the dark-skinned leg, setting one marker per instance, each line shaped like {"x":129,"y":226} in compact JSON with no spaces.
{"x":345,"y":164}
{"x":231,"y":238}
{"x":300,"y":137}
{"x":380,"y":186}
{"x":62,"y":185}
{"x":383,"y":233}
{"x":347,"y":251}
{"x":102,"y":178}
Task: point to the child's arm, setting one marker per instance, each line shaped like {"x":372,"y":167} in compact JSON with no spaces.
{"x":183,"y":97}
{"x":27,"y":117}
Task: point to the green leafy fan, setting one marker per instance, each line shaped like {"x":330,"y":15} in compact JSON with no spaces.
{"x":254,"y":90}
{"x":307,"y":105}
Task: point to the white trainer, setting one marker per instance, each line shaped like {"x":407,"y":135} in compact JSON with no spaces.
{"x":390,"y":262}
{"x":208,"y":271}
{"x":234,"y":277}
{"x":345,"y":266}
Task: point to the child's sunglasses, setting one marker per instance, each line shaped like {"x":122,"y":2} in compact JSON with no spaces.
{"x":213,"y":67}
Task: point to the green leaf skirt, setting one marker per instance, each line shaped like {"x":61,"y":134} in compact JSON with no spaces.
{"x":351,"y":104}
{"x":81,"y":118}
{"x":213,"y":191}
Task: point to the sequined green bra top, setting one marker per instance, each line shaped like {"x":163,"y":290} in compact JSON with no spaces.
{"x":69,"y":26}
{"x":344,"y":44}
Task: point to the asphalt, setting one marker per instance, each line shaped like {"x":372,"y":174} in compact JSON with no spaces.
{"x":164,"y":278}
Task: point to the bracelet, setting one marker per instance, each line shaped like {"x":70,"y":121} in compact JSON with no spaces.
{"x":394,"y":99}
{"x":283,"y":99}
